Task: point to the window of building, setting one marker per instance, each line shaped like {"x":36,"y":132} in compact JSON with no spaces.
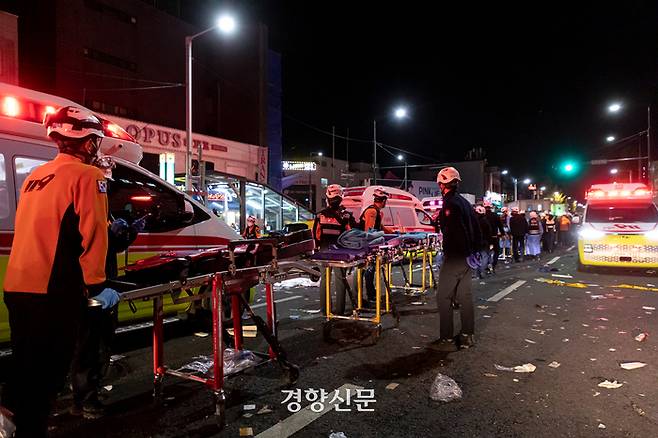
{"x":110,"y":11}
{"x":100,"y":56}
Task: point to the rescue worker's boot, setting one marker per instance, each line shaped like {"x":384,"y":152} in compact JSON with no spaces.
{"x":466,"y":341}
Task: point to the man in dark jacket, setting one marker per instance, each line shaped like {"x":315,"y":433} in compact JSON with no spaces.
{"x":461,"y":235}
{"x":497,"y":230}
{"x":518,"y":229}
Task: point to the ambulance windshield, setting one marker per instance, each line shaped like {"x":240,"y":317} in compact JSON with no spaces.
{"x":625,"y":214}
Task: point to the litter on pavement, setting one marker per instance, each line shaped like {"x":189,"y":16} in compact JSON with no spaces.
{"x":554,"y":364}
{"x":632,"y":365}
{"x":525,"y":368}
{"x":648,"y":308}
{"x":265,"y":410}
{"x":635,"y":287}
{"x":392,"y":386}
{"x":246,"y":431}
{"x":337,"y":435}
{"x":529,"y":341}
{"x":444,"y":389}
{"x":610,"y":385}
{"x":249,"y":407}
{"x":641,"y":337}
{"x":562,"y":275}
{"x":201,"y":334}
{"x":601,"y":426}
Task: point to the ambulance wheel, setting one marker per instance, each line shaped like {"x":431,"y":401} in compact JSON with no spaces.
{"x":582,"y":268}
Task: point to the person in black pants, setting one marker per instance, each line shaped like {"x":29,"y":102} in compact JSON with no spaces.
{"x":497,"y":230}
{"x":461,"y":237}
{"x":518,"y":229}
{"x":91,"y":358}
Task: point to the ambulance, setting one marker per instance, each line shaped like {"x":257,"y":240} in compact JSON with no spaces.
{"x":620,"y":227}
{"x":174,"y":221}
{"x":403,"y":211}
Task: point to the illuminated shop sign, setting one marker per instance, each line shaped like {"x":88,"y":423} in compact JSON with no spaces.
{"x":299,"y":165}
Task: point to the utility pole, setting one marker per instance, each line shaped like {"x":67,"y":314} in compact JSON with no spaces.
{"x":374,"y":150}
{"x":347,"y":150}
{"x":649,"y":167}
{"x":333,"y":154}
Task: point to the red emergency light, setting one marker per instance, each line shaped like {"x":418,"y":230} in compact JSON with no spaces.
{"x":618,"y":192}
{"x":115,"y":131}
{"x":145,"y":198}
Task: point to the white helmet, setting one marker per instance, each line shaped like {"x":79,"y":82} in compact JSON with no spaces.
{"x":71,"y":122}
{"x":515,"y":209}
{"x":251,"y":218}
{"x":334,"y":190}
{"x":380,"y":193}
{"x":447,"y":174}
{"x":480,"y":209}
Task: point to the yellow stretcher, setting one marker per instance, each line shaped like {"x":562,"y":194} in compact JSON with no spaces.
{"x":425,"y":251}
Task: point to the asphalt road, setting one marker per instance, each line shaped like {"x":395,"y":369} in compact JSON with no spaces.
{"x":588,"y":330}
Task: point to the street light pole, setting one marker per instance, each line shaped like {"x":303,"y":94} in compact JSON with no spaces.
{"x":374,"y":150}
{"x":649,"y":167}
{"x":516,"y":192}
{"x":226,"y":24}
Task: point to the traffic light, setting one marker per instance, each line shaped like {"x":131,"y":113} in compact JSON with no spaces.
{"x":569,"y":168}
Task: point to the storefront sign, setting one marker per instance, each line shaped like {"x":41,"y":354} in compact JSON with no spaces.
{"x":424,"y":189}
{"x":299,"y":165}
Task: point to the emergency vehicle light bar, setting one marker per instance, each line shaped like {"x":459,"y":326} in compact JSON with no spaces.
{"x":34,"y":111}
{"x":618,"y":194}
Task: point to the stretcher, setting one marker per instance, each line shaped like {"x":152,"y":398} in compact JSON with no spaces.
{"x":381,"y":257}
{"x":229,"y":284}
{"x":425,"y":249}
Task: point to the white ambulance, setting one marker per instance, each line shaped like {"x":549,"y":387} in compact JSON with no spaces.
{"x":176,"y":221}
{"x":403,"y":211}
{"x":619,"y":228}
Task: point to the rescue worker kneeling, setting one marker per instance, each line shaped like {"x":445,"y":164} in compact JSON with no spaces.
{"x":57,"y":261}
{"x":329,"y":224}
{"x":371,"y":220}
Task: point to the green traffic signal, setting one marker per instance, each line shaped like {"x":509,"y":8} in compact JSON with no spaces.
{"x":568,"y":167}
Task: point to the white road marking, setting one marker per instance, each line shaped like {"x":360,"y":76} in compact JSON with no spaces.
{"x":571,"y":247}
{"x":294,"y":297}
{"x":306,"y":416}
{"x":509,"y":289}
{"x":553,"y":260}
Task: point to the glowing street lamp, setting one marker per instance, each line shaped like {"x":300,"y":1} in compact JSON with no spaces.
{"x":614,"y":107}
{"x":610,"y":138}
{"x":400,"y":112}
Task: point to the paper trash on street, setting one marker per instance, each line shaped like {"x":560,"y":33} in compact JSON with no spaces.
{"x":610,"y":385}
{"x":632,"y":365}
{"x":525,"y":368}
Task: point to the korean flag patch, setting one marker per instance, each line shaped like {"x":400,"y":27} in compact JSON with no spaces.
{"x":102,"y":186}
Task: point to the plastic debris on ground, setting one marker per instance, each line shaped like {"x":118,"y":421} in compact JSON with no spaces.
{"x":490,"y":375}
{"x":234,"y":361}
{"x":337,"y":435}
{"x":108,"y":388}
{"x":554,"y":364}
{"x":116,"y":357}
{"x":249,"y":407}
{"x":529,"y":341}
{"x":525,"y":368}
{"x":392,"y":386}
{"x":562,"y":275}
{"x":610,"y":385}
{"x":601,"y":426}
{"x":246,"y":431}
{"x":265,"y":410}
{"x":444,"y":389}
{"x":293,"y":283}
{"x":648,"y":308}
{"x":640,"y":337}
{"x":201,"y":334}
{"x":632,"y":365}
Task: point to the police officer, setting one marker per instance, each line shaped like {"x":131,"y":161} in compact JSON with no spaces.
{"x":329,"y":224}
{"x":371,"y":220}
{"x":57,"y":261}
{"x":251,"y":231}
{"x":461,"y":235}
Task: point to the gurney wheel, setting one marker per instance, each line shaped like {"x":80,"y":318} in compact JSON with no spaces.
{"x":292,"y":373}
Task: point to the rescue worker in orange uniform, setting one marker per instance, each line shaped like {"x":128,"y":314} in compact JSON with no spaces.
{"x":57,"y":262}
{"x":329,"y":224}
{"x":372,"y":220}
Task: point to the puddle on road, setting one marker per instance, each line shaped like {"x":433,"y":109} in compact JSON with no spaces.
{"x":400,"y":367}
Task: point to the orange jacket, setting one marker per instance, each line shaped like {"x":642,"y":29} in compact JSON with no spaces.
{"x":60,"y":240}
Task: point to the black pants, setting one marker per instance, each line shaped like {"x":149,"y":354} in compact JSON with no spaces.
{"x":92,"y":353}
{"x":455,"y":286}
{"x":496,"y":251}
{"x":518,"y":243}
{"x":43,"y":333}
{"x":369,"y":275}
{"x":549,"y":241}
